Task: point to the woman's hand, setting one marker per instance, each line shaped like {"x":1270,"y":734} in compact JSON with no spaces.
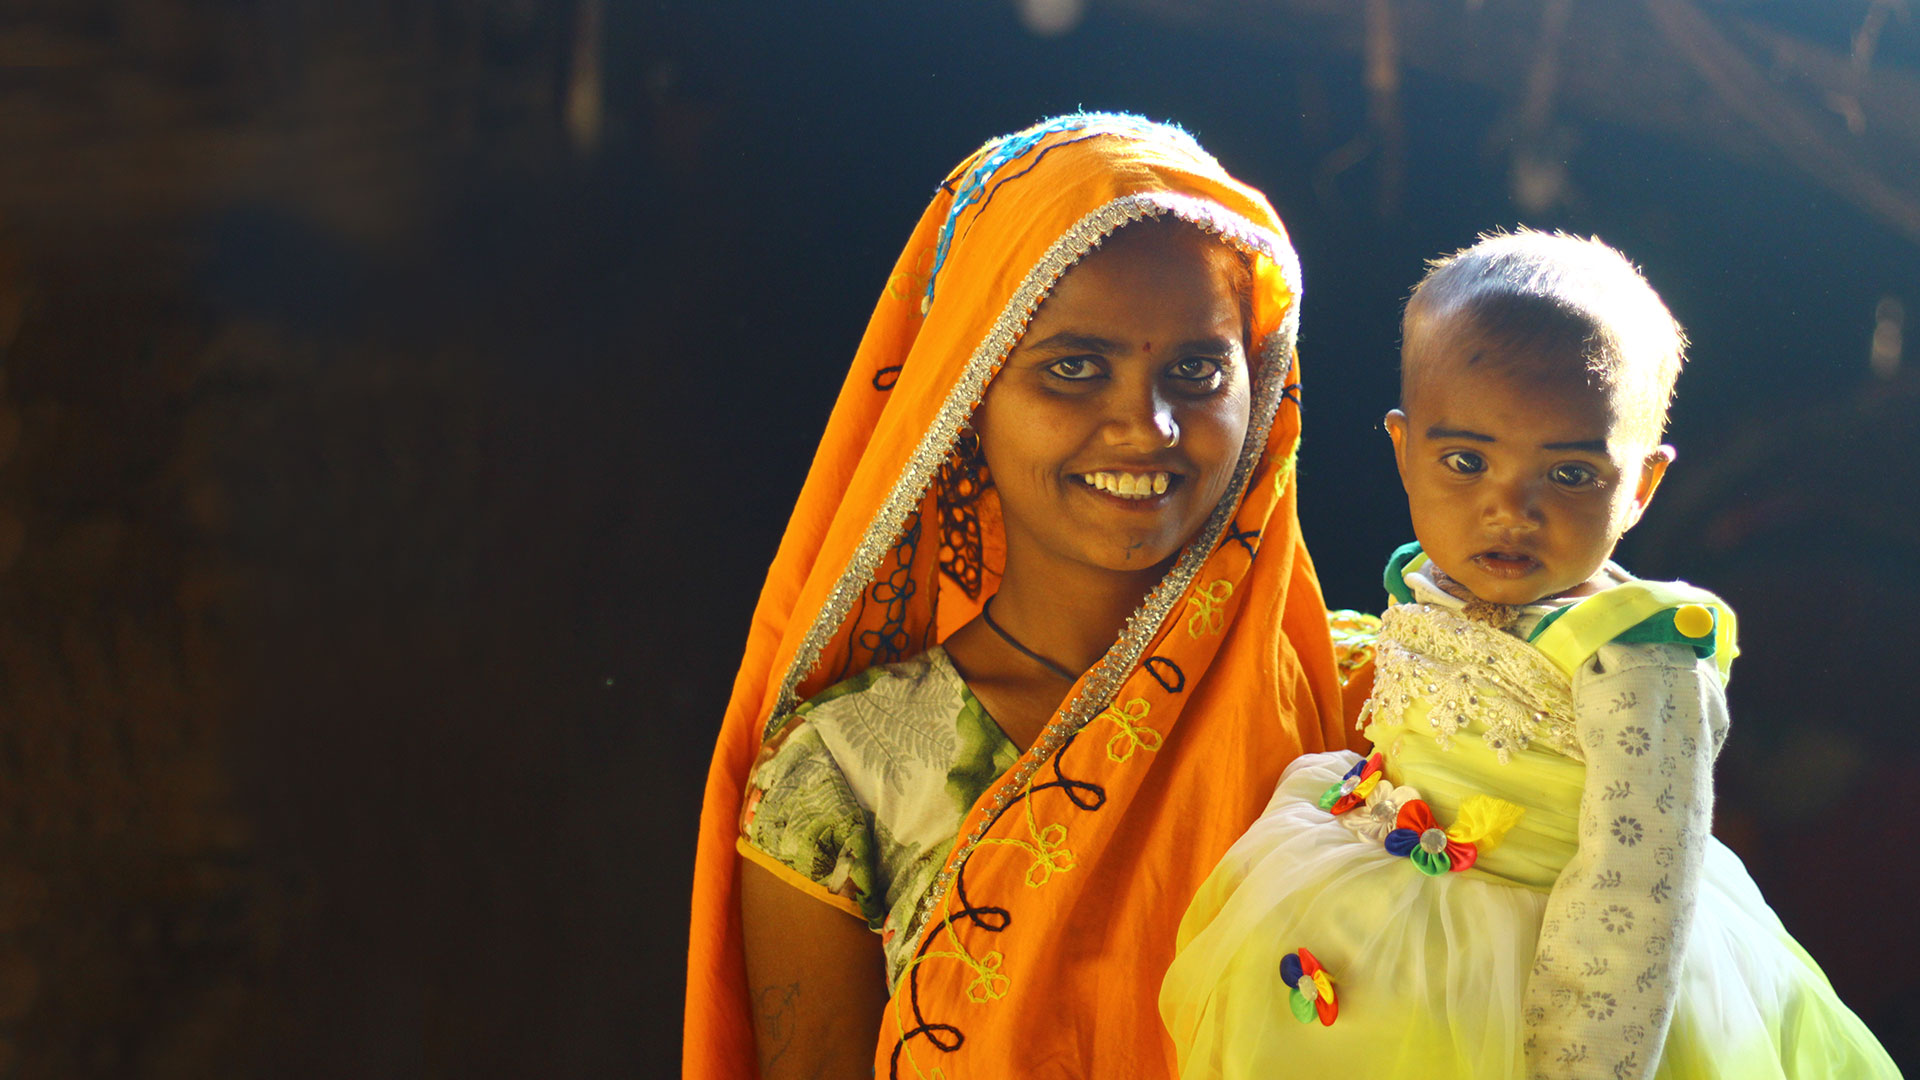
{"x":816,"y":979}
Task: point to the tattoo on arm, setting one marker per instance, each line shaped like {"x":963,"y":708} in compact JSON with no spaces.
{"x":776,"y":1005}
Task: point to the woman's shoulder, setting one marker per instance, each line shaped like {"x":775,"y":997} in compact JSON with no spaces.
{"x":890,"y":721}
{"x":927,"y":681}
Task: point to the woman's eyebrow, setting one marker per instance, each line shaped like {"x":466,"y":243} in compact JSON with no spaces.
{"x":1075,"y":341}
{"x":1218,"y":344}
{"x":1591,"y":446}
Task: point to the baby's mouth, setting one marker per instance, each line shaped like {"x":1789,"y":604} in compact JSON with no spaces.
{"x":1506,"y":563}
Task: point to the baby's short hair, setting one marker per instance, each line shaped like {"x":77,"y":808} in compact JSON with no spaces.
{"x":1537,"y":301}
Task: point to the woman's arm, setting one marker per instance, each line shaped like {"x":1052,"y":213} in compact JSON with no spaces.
{"x":817,"y":980}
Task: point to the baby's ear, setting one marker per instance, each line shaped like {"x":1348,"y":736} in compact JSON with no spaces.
{"x":1652,"y":471}
{"x":1396,"y":422}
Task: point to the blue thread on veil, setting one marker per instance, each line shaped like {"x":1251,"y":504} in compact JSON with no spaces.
{"x":998,"y":152}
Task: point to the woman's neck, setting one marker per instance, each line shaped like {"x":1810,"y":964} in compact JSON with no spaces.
{"x":1071,"y":618}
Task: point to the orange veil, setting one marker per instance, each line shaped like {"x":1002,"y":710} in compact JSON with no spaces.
{"x":1048,"y":931}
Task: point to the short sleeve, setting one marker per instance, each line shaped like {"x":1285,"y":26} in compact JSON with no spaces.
{"x":800,"y":820}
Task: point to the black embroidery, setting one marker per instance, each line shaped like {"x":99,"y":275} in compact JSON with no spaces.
{"x":945,"y":1037}
{"x":884,"y":379}
{"x":889,"y":642}
{"x":1082,"y":793}
{"x":962,"y":481}
{"x":1243,"y":537}
{"x":1173,"y":680}
{"x":1291,"y":392}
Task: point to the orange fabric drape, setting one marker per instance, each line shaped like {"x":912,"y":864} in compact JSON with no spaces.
{"x":1159,"y":757}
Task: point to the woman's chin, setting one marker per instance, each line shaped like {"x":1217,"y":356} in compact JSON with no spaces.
{"x":1136,"y":555}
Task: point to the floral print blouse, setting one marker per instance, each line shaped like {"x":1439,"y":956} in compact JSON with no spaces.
{"x":858,"y":796}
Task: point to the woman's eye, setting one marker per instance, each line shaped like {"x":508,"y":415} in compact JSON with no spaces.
{"x":1074,"y":369}
{"x":1572,"y":475}
{"x":1465,"y":462}
{"x":1195,"y":369}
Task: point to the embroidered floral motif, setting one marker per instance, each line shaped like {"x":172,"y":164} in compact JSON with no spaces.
{"x":1284,"y":472}
{"x":1134,"y":733}
{"x":1206,"y":617}
{"x":988,"y":984}
{"x":1047,"y":847}
{"x":1313,"y":997}
{"x":910,"y":284}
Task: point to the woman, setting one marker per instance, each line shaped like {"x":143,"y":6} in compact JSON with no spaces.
{"x":1021,"y":798}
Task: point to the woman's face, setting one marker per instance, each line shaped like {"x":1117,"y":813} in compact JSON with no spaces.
{"x":1114,"y":426}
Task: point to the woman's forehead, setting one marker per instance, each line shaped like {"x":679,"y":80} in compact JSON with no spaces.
{"x":1161,"y":264}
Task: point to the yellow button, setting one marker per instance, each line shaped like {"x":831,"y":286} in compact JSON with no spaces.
{"x":1693,"y":620}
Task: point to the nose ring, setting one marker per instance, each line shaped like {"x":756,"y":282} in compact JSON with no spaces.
{"x":1173,"y":439}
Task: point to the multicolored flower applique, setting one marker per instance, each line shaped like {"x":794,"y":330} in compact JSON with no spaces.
{"x":1400,"y":819}
{"x":1353,"y":788}
{"x":1375,"y":818}
{"x":1483,"y":821}
{"x":1312,"y":995}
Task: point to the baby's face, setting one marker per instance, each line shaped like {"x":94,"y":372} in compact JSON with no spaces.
{"x":1518,"y":490}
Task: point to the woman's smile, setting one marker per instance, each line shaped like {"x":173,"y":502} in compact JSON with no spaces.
{"x":1134,"y":487}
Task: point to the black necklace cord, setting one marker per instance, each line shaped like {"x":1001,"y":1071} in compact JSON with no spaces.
{"x":986,"y":612}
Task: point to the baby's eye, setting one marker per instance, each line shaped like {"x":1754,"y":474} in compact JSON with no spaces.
{"x":1194,"y":369}
{"x":1074,"y":368}
{"x":1573,"y":475}
{"x":1464,"y":462}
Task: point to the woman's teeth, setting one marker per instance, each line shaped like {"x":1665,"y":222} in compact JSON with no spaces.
{"x":1128,"y":485}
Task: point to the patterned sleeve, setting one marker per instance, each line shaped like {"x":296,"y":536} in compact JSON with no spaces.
{"x":799,"y":819}
{"x":1651,"y":719}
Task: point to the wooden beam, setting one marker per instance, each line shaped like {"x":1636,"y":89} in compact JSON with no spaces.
{"x":1661,"y":65}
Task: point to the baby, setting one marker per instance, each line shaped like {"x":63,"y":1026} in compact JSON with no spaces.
{"x":1520,"y":881}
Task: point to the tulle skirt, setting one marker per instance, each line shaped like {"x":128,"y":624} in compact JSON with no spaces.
{"x":1430,"y":972}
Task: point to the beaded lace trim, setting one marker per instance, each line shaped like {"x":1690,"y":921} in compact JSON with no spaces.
{"x":1473,"y":677}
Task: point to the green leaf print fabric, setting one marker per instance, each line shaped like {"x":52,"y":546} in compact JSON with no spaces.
{"x":862,"y":790}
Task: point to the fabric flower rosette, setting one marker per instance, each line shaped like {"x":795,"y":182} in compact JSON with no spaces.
{"x":1399,"y":819}
{"x":1312,"y":998}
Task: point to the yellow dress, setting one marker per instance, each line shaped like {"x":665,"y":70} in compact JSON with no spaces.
{"x":1431,"y":972}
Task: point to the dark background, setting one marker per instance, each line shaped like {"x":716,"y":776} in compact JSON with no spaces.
{"x":400,"y":402}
